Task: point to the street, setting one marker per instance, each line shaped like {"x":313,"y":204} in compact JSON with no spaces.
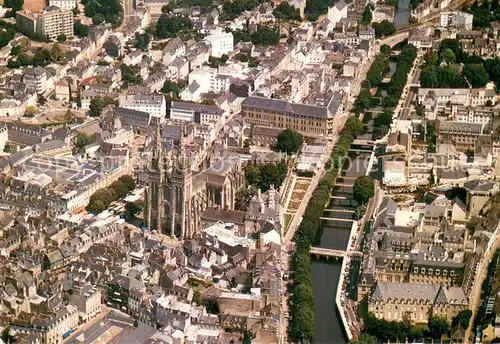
{"x":475,"y":295}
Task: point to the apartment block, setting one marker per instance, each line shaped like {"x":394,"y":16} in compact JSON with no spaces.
{"x":50,"y":23}
{"x":457,"y":19}
{"x":64,"y":4}
{"x":221,"y":42}
{"x":154,"y":104}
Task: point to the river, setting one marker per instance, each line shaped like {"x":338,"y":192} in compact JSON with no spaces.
{"x":402,"y":17}
{"x":335,"y":235}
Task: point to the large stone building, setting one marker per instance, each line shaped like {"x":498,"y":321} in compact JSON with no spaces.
{"x":179,"y":191}
{"x":418,"y":302}
{"x":312,"y":120}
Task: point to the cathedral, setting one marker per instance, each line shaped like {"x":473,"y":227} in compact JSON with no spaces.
{"x":178,"y":190}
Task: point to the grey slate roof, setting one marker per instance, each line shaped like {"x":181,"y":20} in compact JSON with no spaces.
{"x":460,"y":127}
{"x":407,"y":291}
{"x":301,"y":109}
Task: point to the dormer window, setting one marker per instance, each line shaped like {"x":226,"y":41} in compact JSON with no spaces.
{"x":431,"y":271}
{"x":438,"y":272}
{"x":445,"y":272}
{"x":422,"y":270}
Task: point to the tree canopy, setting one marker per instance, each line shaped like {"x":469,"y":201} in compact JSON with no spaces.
{"x":266,"y":175}
{"x":109,"y":11}
{"x":102,"y":198}
{"x":476,"y":74}
{"x":82,"y":139}
{"x":302,"y":322}
{"x":289,"y":141}
{"x":97,"y":105}
{"x":141,"y":41}
{"x":364,"y":189}
{"x":438,"y":325}
{"x":366,"y":19}
{"x":265,"y":36}
{"x":232,"y":9}
{"x":384,"y":28}
{"x":285,"y":11}
{"x":169,"y":26}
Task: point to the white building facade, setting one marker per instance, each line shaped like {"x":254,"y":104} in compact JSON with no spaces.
{"x":221,"y":43}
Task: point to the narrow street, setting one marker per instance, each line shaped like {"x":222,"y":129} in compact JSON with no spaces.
{"x":475,"y":295}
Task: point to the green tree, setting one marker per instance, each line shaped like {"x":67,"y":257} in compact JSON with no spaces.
{"x":56,"y":53}
{"x":289,"y":141}
{"x":364,"y":339}
{"x":285,"y":11}
{"x":7,"y":337}
{"x":172,"y":88}
{"x":132,"y":209}
{"x":380,"y":131}
{"x":462,"y":319}
{"x":98,"y":19}
{"x":82,"y":139}
{"x":366,"y":19}
{"x":61,"y":38}
{"x":448,"y":56}
{"x":96,"y":106}
{"x":128,"y":181}
{"x":364,"y":189}
{"x":438,"y":326}
{"x":39,"y":59}
{"x":16,"y":50}
{"x":168,"y":26}
{"x":243,"y":198}
{"x":141,"y":41}
{"x":384,"y":28}
{"x":385,"y":49}
{"x":81,"y":30}
{"x":430,"y":58}
{"x":476,"y":74}
{"x":265,"y":36}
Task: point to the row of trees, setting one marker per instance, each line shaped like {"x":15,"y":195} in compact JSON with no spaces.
{"x":404,"y":330}
{"x":404,"y":64}
{"x":102,"y":198}
{"x":263,"y":176}
{"x":302,"y":324}
{"x":374,"y":77}
{"x":364,"y":189}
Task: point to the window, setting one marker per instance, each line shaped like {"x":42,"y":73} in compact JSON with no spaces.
{"x":438,"y":272}
{"x":422,"y":270}
{"x":430,"y":271}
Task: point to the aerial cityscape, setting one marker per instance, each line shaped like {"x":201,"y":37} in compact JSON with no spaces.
{"x":249,"y":171}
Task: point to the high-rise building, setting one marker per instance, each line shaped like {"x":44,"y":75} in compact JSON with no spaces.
{"x":50,"y":23}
